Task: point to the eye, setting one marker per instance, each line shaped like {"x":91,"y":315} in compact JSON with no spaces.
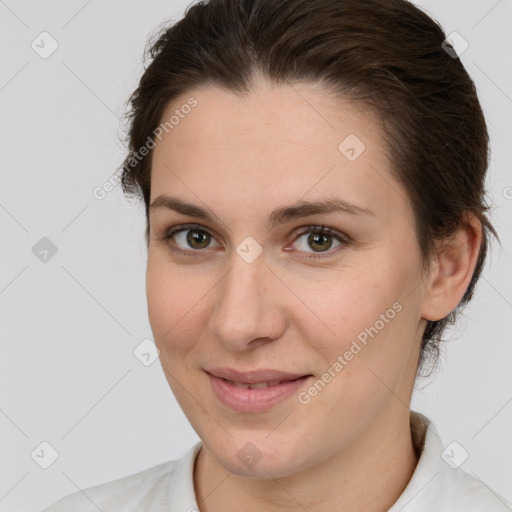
{"x":195,"y":237}
{"x":320,"y":237}
{"x":189,"y":237}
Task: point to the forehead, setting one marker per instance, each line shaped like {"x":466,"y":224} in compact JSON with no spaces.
{"x":270,"y":113}
{"x":273,"y":146}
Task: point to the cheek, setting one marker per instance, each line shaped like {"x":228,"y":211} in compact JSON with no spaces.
{"x":350,"y":301}
{"x":174,"y":305}
{"x":365,"y":316}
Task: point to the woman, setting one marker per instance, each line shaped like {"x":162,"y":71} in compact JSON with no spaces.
{"x":313,"y":177}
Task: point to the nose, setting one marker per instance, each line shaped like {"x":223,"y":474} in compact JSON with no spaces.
{"x":248,"y":308}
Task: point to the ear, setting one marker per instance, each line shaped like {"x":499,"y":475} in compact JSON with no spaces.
{"x":452,"y":272}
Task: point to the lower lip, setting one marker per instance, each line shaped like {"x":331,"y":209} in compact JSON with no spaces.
{"x":254,"y":400}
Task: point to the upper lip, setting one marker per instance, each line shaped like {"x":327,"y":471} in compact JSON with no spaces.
{"x":253,"y":376}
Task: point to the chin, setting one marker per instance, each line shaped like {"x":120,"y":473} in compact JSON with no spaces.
{"x":254,"y":456}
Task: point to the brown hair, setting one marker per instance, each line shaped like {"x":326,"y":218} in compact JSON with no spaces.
{"x":388,"y":55}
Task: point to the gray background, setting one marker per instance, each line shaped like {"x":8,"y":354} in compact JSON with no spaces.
{"x":68,"y":375}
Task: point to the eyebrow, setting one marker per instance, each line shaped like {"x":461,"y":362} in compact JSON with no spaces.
{"x":277,"y":217}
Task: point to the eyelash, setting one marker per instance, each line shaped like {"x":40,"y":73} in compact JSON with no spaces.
{"x":322,"y":230}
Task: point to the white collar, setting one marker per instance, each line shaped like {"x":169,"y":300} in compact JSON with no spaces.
{"x":434,"y":485}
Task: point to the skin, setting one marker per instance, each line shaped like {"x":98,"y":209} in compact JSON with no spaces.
{"x":350,"y":447}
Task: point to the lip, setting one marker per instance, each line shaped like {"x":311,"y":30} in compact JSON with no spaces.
{"x":255,"y":400}
{"x":253,"y":376}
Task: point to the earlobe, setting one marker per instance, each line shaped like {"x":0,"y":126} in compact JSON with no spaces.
{"x":452,"y":273}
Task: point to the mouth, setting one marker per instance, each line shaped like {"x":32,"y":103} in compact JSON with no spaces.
{"x":260,"y":376}
{"x":254,"y":392}
{"x":261,"y":385}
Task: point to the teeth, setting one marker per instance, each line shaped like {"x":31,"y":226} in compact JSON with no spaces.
{"x":238,"y":385}
{"x":259,"y":385}
{"x":256,"y":385}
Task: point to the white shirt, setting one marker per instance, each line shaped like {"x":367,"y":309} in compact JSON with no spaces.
{"x":435,"y":485}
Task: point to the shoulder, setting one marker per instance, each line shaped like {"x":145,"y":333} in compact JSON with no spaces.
{"x":145,"y":490}
{"x":466,"y":493}
{"x":439,"y":483}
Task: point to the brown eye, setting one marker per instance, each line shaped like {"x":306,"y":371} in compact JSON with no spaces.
{"x":191,"y":240}
{"x":320,"y":239}
{"x":188,"y":238}
{"x":201,"y":238}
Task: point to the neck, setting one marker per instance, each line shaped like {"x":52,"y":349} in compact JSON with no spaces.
{"x":367,"y":476}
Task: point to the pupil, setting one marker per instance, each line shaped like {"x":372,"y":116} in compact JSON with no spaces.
{"x":314,"y":237}
{"x":196,"y":236}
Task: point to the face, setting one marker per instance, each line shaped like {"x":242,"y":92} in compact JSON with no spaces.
{"x":341,"y":307}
